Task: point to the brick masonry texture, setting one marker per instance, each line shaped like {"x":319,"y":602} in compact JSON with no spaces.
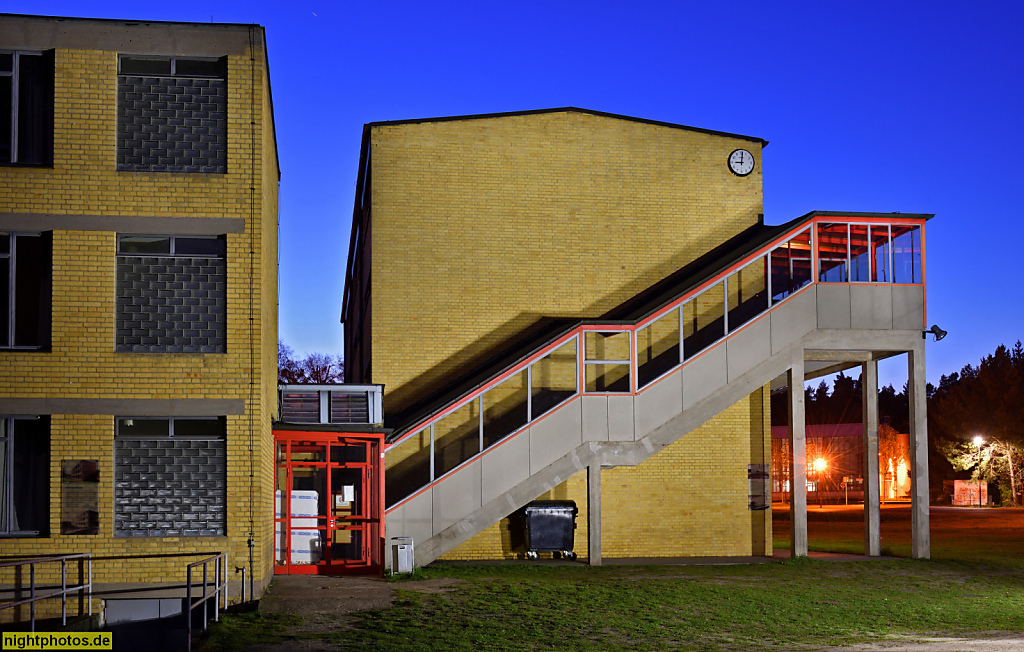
{"x":482,"y":227}
{"x":171,"y":305}
{"x":171,"y":124}
{"x":170,"y":487}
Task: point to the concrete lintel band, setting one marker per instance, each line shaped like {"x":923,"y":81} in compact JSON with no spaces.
{"x":121,"y":223}
{"x":130,"y":407}
{"x":129,"y":37}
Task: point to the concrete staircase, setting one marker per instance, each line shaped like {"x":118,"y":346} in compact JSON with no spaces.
{"x":820,"y":329}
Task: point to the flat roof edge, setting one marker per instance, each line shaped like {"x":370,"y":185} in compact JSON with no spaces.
{"x":126,"y":21}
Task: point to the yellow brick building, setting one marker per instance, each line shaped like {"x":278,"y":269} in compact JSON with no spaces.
{"x":138,"y":228}
{"x":476,"y":238}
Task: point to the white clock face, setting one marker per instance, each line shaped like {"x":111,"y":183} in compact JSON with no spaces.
{"x":741,"y":162}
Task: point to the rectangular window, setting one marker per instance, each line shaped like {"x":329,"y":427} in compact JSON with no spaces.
{"x":171,"y":294}
{"x":24,"y":476}
{"x":170,"y":477}
{"x":26,"y":108}
{"x":25,"y":281}
{"x":172,"y":114}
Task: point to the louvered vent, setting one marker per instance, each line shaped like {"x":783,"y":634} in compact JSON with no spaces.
{"x":300,"y":407}
{"x":350,"y":408}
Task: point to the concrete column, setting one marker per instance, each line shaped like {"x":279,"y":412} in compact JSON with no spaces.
{"x":798,"y":463}
{"x":594,"y":513}
{"x":921,"y":545}
{"x":869,"y":415}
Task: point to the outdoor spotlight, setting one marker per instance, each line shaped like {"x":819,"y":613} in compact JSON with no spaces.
{"x":936,"y":331}
{"x":978,"y":441}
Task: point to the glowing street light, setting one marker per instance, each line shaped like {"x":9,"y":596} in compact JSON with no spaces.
{"x":820,"y":465}
{"x":978,"y":441}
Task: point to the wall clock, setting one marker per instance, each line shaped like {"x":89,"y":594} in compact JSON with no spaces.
{"x":741,"y":162}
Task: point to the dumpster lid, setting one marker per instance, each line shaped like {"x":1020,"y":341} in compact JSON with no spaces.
{"x":552,"y":505}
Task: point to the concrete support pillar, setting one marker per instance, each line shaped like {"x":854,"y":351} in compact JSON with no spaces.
{"x":594,"y":513}
{"x":869,"y":415}
{"x":921,"y":545}
{"x":798,"y":462}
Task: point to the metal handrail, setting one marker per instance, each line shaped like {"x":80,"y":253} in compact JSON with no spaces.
{"x":220,"y":587}
{"x":84,"y":589}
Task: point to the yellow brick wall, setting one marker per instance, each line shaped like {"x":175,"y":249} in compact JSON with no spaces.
{"x":481,"y":227}
{"x":689,"y":499}
{"x":83,"y":364}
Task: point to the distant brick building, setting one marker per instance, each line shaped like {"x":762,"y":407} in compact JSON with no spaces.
{"x":138,"y":253}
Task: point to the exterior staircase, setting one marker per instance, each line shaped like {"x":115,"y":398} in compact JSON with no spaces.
{"x":808,"y":326}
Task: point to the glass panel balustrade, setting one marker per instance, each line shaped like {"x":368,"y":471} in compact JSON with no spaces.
{"x":748,"y":293}
{"x":906,"y":253}
{"x":860,"y":254}
{"x":881,"y":253}
{"x":657,"y":347}
{"x":456,"y":437}
{"x":833,"y":253}
{"x":791,"y":266}
{"x":703,"y":320}
{"x":407,"y":467}
{"x":553,"y":379}
{"x":607,"y":361}
{"x":505,"y":408}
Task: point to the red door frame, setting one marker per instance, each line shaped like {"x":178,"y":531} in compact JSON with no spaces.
{"x":370,"y":522}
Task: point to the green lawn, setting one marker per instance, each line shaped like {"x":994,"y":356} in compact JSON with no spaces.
{"x":975,"y":586}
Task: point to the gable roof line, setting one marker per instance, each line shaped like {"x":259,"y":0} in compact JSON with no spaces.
{"x":569,"y":109}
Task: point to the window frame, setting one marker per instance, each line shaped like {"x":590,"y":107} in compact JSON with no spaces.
{"x":9,"y":258}
{"x":173,"y":61}
{"x":221,"y":436}
{"x":173,"y":246}
{"x":14,"y":74}
{"x":7,"y":478}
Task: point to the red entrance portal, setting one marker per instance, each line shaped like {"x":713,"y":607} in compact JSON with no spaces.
{"x":329,"y":503}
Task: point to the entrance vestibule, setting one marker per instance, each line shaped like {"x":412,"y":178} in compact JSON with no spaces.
{"x":329,"y":503}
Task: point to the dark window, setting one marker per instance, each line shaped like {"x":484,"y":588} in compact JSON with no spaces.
{"x":170,"y":477}
{"x":26,"y":108}
{"x":171,"y":294}
{"x":172,"y":114}
{"x":24,"y":476}
{"x":25,"y":281}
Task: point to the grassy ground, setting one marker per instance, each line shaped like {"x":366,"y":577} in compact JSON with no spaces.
{"x":975,"y":586}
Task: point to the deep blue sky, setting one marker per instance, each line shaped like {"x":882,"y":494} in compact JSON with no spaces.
{"x":868,"y":106}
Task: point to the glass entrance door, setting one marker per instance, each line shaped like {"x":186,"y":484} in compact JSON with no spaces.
{"x":328,"y":503}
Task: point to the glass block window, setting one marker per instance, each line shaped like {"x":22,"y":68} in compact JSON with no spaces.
{"x":170,"y":477}
{"x":172,"y":114}
{"x":171,"y":294}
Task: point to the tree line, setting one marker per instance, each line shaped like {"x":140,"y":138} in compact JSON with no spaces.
{"x":314,"y":369}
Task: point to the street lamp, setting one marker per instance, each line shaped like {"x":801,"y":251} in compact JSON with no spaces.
{"x":820,"y":465}
{"x":978,"y":441}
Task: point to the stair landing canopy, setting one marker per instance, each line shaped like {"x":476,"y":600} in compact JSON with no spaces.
{"x":618,"y":354}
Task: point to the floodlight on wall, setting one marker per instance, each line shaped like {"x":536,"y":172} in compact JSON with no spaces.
{"x":936,"y":331}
